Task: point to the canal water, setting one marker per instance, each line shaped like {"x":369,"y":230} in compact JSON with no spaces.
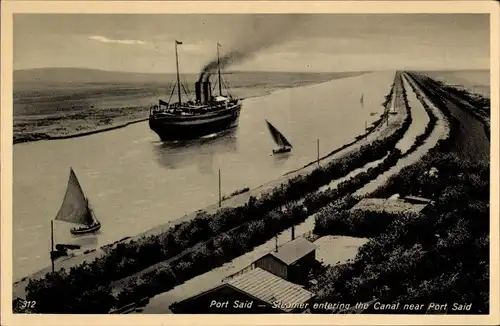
{"x":134,"y":181}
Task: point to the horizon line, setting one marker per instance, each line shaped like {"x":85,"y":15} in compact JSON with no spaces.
{"x":242,"y":70}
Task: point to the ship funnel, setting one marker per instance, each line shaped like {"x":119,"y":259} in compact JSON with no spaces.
{"x":207,"y":91}
{"x":197,"y":86}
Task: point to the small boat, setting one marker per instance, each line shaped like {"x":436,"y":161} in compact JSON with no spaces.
{"x":76,"y":208}
{"x":67,"y":247}
{"x":279,"y":139}
{"x":61,"y":250}
{"x":392,"y":109}
{"x":58,"y":253}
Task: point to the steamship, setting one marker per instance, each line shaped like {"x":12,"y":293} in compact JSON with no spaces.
{"x":207,"y":114}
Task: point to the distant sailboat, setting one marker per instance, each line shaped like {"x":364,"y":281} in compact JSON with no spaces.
{"x":362,"y":100}
{"x":279,"y":139}
{"x":75,"y":208}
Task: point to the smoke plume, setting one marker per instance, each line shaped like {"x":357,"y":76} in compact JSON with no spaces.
{"x":261,"y":31}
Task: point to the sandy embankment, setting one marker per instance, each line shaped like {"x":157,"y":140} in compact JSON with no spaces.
{"x":440,"y":131}
{"x":420,"y":120}
{"x":94,"y":130}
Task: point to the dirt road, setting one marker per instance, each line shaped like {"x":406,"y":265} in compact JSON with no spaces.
{"x":472,"y":141}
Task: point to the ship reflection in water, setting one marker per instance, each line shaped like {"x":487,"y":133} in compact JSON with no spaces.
{"x":200,"y":152}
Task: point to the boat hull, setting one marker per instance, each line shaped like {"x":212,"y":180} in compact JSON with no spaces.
{"x":91,"y":229}
{"x":282,"y":150}
{"x":169,"y":127}
{"x":54,"y":254}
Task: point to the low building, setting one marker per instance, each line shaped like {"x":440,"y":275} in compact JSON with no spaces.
{"x":292,"y":261}
{"x":392,"y":205}
{"x":254,"y":292}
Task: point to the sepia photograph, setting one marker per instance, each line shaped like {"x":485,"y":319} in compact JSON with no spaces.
{"x":250,"y":163}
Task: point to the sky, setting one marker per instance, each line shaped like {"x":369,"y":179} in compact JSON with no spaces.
{"x":270,"y":42}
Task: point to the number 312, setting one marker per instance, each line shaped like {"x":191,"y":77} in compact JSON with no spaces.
{"x":28,"y":304}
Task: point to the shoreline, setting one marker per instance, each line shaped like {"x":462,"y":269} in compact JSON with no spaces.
{"x":40,"y":136}
{"x":80,"y":134}
{"x":375,"y":125}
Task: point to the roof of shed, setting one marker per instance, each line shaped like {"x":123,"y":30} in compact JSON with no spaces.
{"x":294,"y":250}
{"x":270,"y":288}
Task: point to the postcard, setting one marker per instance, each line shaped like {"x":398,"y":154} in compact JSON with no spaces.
{"x":249,"y":163}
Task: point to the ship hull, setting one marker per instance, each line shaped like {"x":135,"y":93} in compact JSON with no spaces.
{"x":170,"y":128}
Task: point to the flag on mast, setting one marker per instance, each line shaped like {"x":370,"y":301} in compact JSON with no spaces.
{"x":178,"y":42}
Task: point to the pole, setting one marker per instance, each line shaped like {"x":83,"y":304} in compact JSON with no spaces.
{"x":52,"y":244}
{"x":317,"y":149}
{"x":220,"y":198}
{"x":178,"y":77}
{"x":276,"y":243}
{"x":218,"y":69}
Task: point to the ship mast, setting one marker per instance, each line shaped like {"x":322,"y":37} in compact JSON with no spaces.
{"x":178,"y":77}
{"x":218,"y":70}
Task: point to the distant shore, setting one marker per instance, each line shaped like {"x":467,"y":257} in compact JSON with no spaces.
{"x":31,"y":128}
{"x":37,"y":136}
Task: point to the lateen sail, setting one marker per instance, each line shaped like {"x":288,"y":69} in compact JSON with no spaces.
{"x":74,"y":208}
{"x":278,"y":137}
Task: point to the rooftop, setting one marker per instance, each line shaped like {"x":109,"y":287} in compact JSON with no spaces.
{"x":270,"y":288}
{"x":388,"y":205}
{"x":292,"y":251}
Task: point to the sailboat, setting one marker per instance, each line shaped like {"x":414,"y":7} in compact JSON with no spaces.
{"x":392,"y":109}
{"x":76,"y":208}
{"x":279,"y":139}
